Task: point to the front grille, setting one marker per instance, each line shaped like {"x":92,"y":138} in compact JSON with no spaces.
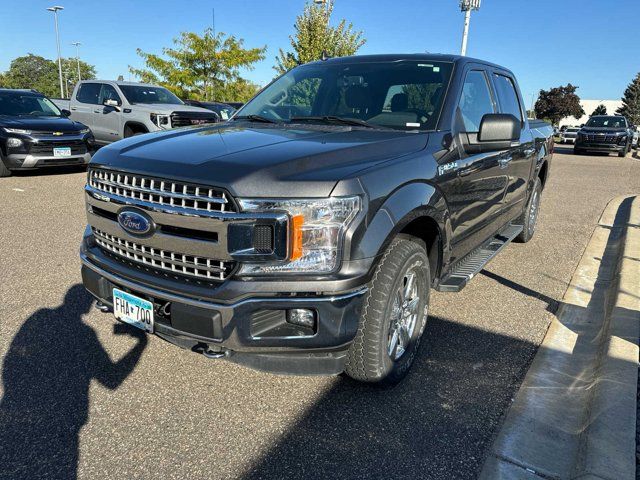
{"x":183,"y":119}
{"x":602,"y":138}
{"x":45,"y":147}
{"x":165,"y":260}
{"x":159,"y":191}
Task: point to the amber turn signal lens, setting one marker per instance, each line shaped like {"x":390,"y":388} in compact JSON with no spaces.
{"x":296,"y":237}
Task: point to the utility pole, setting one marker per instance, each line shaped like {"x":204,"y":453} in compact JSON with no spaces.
{"x":55,"y":16}
{"x":466,"y":6}
{"x":77,"y":45}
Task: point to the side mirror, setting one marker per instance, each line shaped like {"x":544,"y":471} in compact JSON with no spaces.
{"x":112,"y":103}
{"x":65,"y":112}
{"x":497,"y":131}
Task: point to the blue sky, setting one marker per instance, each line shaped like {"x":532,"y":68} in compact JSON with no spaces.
{"x":594,"y":44}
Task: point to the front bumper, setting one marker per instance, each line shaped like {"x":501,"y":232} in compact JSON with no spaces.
{"x":229,"y":327}
{"x":18,"y":161}
{"x":599,"y":147}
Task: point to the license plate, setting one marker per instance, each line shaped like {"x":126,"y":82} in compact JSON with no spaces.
{"x":62,"y":152}
{"x":133,"y":310}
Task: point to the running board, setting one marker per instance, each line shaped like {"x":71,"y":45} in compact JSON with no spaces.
{"x":469,"y":266}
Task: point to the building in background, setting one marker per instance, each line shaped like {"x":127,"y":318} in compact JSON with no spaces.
{"x":589,"y":106}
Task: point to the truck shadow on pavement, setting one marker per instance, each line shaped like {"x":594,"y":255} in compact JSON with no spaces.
{"x":46,"y":375}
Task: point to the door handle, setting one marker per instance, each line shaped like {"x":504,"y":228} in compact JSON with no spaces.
{"x":504,"y":161}
{"x":73,"y":108}
{"x":96,"y":111}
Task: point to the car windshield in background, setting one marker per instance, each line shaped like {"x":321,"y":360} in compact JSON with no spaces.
{"x":26,"y":104}
{"x":224,"y":111}
{"x":142,"y":94}
{"x":607,"y":122}
{"x":404,"y":95}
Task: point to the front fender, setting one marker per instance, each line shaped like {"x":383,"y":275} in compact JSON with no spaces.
{"x":404,"y":205}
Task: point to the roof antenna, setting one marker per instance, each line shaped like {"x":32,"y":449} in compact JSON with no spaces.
{"x":325,"y":56}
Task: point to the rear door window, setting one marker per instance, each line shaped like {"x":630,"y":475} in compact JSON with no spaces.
{"x":89,"y":93}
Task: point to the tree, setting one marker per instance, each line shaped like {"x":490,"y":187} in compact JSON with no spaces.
{"x":600,"y":110}
{"x":631,"y":102}
{"x":34,"y":71}
{"x":201,"y":66}
{"x":314,"y":35}
{"x":557,"y":103}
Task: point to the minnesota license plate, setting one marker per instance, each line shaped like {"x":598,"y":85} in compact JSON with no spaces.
{"x":133,"y":310}
{"x":62,"y":152}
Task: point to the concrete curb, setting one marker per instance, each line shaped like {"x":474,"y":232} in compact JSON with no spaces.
{"x":575,"y":413}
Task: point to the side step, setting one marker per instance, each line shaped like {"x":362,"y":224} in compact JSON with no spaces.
{"x":469,"y":266}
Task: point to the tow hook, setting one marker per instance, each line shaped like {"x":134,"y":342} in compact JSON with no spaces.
{"x":102,"y":307}
{"x":211,"y":352}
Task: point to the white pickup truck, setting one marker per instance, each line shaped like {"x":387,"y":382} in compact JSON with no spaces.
{"x":114,"y":110}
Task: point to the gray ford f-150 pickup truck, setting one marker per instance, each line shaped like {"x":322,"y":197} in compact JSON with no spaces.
{"x":115,"y":110}
{"x":304,"y":235}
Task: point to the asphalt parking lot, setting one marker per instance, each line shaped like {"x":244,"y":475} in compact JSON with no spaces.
{"x":77,"y":398}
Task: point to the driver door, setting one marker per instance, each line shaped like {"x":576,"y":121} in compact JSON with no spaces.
{"x":107,"y":120}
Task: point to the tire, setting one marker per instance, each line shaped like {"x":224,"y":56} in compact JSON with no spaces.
{"x":624,"y":152}
{"x":398,"y":297}
{"x":529,"y":217}
{"x":4,"y":171}
{"x":129,"y":132}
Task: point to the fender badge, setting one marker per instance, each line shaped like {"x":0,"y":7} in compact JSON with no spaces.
{"x":447,"y":167}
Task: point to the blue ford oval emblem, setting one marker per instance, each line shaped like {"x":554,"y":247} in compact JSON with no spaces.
{"x":135,"y":222}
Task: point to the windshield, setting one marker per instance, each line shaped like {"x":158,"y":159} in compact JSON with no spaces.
{"x":405,"y":95}
{"x":225,"y":111}
{"x":27,"y":104}
{"x":143,"y":94}
{"x":608,"y":122}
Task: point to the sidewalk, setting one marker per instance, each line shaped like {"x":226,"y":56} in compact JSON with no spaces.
{"x":574,"y":415}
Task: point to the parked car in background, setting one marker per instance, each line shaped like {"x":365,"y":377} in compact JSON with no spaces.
{"x":636,"y":136}
{"x":304,"y":235}
{"x":115,"y":110}
{"x":605,"y":133}
{"x":223,"y":110}
{"x":35,"y":133}
{"x":569,"y":135}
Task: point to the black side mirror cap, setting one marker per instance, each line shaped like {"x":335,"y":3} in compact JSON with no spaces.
{"x":499,"y":127}
{"x":65,"y":112}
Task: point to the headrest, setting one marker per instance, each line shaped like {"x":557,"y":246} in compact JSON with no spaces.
{"x":399,"y":102}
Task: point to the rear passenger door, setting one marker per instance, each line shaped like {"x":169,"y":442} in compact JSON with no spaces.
{"x":85,"y":103}
{"x":477,"y":202}
{"x":520,"y":159}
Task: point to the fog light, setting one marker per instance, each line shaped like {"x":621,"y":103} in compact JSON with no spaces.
{"x":302,"y":317}
{"x":14,"y":142}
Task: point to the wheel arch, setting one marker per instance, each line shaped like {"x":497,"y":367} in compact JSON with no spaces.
{"x":135,"y":126}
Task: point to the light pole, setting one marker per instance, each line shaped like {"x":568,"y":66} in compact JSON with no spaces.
{"x":466,"y":6}
{"x":77,"y":45}
{"x":55,"y":16}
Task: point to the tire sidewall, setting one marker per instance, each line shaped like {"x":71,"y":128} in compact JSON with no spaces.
{"x":394,"y":371}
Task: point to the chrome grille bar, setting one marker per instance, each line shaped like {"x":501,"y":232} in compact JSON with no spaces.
{"x":166,"y":260}
{"x":159,"y":191}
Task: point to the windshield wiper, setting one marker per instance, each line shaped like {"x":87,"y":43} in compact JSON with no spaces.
{"x":334,"y":119}
{"x":255,"y":118}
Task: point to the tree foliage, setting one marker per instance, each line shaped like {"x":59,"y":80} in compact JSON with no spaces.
{"x":34,"y":71}
{"x":631,"y":102}
{"x":202,"y":67}
{"x":315,"y":35}
{"x":600,"y":110}
{"x":555,"y":104}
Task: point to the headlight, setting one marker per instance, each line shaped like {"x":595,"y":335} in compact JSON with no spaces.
{"x":316,"y":230}
{"x":14,"y":142}
{"x":159,"y":119}
{"x":85,"y":130}
{"x":17,"y":130}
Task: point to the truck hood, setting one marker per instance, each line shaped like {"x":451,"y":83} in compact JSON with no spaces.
{"x":256,"y":160}
{"x":167,"y":109}
{"x":41,"y":124}
{"x":602,"y":130}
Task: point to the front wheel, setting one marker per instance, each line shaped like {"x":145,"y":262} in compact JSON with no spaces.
{"x":394,"y":315}
{"x":4,"y":171}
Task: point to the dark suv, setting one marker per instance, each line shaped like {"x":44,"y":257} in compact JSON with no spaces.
{"x":605,"y":133}
{"x":305,"y":234}
{"x":34,"y":133}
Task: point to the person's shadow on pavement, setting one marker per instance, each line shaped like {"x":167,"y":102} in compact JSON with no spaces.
{"x":46,"y":375}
